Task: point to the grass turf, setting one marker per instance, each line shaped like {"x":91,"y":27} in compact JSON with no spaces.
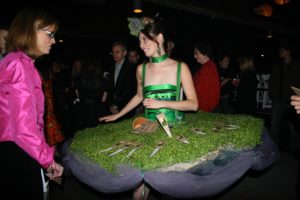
{"x":89,"y":142}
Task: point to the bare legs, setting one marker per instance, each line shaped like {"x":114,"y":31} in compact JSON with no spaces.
{"x":141,"y":192}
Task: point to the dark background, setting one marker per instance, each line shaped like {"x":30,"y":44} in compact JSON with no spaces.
{"x":88,"y":27}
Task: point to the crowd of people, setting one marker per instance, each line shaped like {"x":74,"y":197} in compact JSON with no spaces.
{"x":88,"y":93}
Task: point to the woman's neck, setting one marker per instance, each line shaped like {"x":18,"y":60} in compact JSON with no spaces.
{"x":159,"y":59}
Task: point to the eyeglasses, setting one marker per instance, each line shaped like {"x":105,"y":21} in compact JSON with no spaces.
{"x":49,"y":33}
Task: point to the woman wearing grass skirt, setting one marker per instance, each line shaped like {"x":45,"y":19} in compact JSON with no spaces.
{"x":159,"y":81}
{"x":24,"y":152}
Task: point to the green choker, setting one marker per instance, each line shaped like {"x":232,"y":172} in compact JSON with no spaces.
{"x":159,"y":59}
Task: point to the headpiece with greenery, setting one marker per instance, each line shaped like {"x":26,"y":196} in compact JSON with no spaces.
{"x":137,"y":24}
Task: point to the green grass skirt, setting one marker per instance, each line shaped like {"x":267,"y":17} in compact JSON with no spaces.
{"x":218,"y":132}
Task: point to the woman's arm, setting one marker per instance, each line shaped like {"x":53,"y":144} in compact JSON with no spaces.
{"x":191,"y":102}
{"x":134,"y":102}
{"x":25,"y":110}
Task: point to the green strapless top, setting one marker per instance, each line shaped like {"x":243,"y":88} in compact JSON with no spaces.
{"x":166,"y":92}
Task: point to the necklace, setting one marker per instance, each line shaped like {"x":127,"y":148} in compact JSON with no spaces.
{"x":159,"y":59}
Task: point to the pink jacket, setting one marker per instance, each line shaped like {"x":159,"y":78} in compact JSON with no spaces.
{"x":22,"y":107}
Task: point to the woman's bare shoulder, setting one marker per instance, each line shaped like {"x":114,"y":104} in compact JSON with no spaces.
{"x":140,"y":66}
{"x":184,"y":66}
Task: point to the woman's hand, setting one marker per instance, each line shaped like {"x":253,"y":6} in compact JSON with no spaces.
{"x":152,"y":103}
{"x":109,"y":118}
{"x":54,"y":171}
{"x":295,"y":101}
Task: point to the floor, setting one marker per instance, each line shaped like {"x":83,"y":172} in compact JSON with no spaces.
{"x":277,"y":182}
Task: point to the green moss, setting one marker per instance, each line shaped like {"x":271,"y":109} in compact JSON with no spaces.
{"x":89,"y":142}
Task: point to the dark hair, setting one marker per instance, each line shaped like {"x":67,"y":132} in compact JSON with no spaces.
{"x":133,"y":49}
{"x":204,"y":48}
{"x":22,"y":32}
{"x":120,"y":43}
{"x":151,"y":30}
{"x":221,"y":56}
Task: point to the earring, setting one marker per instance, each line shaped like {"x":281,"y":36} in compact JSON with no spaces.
{"x":159,"y":51}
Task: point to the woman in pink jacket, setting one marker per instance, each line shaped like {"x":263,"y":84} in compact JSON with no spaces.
{"x":24,"y":153}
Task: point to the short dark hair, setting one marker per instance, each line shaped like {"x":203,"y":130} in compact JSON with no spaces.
{"x":120,"y":43}
{"x":204,"y":48}
{"x":134,"y":49}
{"x":221,"y":56}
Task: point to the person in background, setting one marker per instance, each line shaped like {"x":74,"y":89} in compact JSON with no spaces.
{"x":76,"y":70}
{"x":206,"y":79}
{"x":227,"y":78}
{"x":71,"y":93}
{"x":247,"y":85}
{"x":121,"y":81}
{"x":53,"y":133}
{"x":284,"y":74}
{"x":24,"y":151}
{"x":60,"y":82}
{"x":134,"y":56}
{"x":3,"y":38}
{"x":91,"y":92}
